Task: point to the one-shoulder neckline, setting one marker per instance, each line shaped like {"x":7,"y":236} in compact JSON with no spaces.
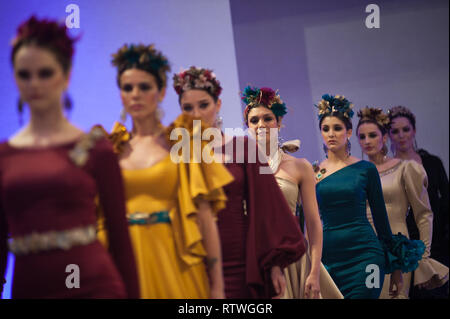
{"x":339,"y":170}
{"x":149,"y":167}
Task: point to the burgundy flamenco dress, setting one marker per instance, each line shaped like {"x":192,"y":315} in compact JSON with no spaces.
{"x":45,"y":189}
{"x":257,"y":229}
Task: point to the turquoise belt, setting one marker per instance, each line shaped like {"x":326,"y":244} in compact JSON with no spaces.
{"x":139,"y":218}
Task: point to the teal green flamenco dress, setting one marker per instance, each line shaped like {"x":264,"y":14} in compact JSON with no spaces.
{"x":352,"y":251}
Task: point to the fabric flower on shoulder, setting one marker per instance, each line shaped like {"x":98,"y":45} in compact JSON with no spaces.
{"x":80,"y":153}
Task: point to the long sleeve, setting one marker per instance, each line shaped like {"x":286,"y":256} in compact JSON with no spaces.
{"x":112,"y":200}
{"x":377,"y":205}
{"x":401,"y":253}
{"x":274,"y":237}
{"x":415,"y":183}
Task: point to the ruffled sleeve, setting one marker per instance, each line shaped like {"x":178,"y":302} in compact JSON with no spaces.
{"x":400,"y":252}
{"x":415,"y":182}
{"x":274,"y":237}
{"x":197,"y":180}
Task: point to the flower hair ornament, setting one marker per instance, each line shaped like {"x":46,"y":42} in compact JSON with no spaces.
{"x":44,"y":31}
{"x":253,"y":97}
{"x":401,"y":111}
{"x":332,"y":104}
{"x":144,"y":57}
{"x":197,"y":78}
{"x":374,"y":114}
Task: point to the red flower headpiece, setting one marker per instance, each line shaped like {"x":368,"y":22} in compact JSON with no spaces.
{"x":197,"y":78}
{"x":47,"y":33}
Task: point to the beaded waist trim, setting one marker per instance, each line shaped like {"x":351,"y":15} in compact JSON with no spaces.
{"x":66,"y":239}
{"x":139,"y":218}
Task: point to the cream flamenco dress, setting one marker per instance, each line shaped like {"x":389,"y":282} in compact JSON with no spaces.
{"x":162,"y":216}
{"x":405,"y":185}
{"x":297,"y":273}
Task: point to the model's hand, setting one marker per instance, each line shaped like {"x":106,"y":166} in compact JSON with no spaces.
{"x":312,"y":287}
{"x":278,"y":281}
{"x":397,"y":280}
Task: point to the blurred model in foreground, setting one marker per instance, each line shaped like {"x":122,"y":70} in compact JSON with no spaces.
{"x":50,"y":175}
{"x":170,"y":205}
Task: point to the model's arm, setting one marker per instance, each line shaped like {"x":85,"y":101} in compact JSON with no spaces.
{"x":382,"y":226}
{"x":415,"y":182}
{"x":313,"y":227}
{"x":112,"y":200}
{"x":211,"y":242}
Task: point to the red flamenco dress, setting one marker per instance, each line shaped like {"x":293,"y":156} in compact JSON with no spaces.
{"x":52,"y":191}
{"x":257,"y":229}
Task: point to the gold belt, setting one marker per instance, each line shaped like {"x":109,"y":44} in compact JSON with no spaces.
{"x":65,"y":239}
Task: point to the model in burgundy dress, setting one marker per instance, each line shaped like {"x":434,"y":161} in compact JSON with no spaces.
{"x":257,"y":229}
{"x":49,"y":192}
{"x":258,"y":232}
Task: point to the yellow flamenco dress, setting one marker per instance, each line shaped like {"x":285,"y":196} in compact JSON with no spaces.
{"x":162,"y":218}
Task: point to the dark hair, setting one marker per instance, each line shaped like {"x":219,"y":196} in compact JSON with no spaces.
{"x":382,"y":129}
{"x":375,"y":116}
{"x":196,"y":78}
{"x":45,"y":34}
{"x":142,"y":57}
{"x":214,"y":97}
{"x":278,"y":118}
{"x":401,"y":111}
{"x":347,"y":122}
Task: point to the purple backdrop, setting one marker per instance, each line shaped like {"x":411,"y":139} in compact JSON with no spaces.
{"x":308,"y":48}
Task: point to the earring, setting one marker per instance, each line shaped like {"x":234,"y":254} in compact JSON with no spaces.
{"x":384,"y":150}
{"x":159,"y":114}
{"x":349,"y":147}
{"x":415,"y":145}
{"x":219,"y":121}
{"x":67,"y":102}
{"x":325,"y":149}
{"x":20,"y":110}
{"x":123,"y":116}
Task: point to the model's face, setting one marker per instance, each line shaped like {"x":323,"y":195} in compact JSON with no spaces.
{"x":334,"y":133}
{"x":139,"y":93}
{"x":40,"y":78}
{"x":260,"y":118}
{"x":199,"y":104}
{"x":402,"y":134}
{"x":371,"y":139}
